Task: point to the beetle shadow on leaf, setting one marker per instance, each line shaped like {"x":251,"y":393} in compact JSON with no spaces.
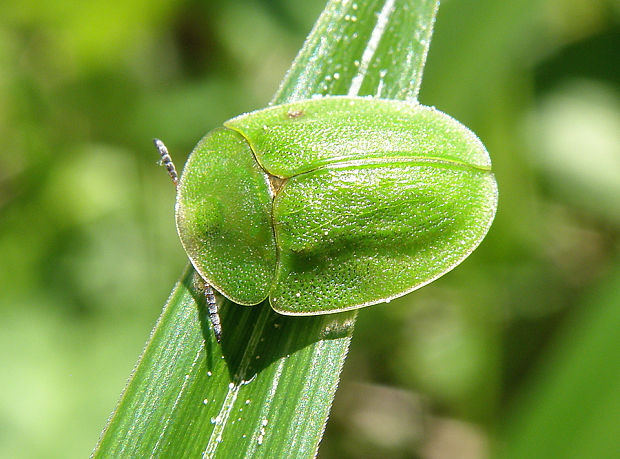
{"x":253,"y":337}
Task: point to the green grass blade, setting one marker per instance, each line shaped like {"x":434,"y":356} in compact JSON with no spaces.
{"x":373,"y":48}
{"x":268,"y":388}
{"x":191,"y":396}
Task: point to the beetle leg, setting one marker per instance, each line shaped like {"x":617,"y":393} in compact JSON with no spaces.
{"x":166,"y":161}
{"x":214,"y":316}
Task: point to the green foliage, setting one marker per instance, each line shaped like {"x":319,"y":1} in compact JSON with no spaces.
{"x":575,"y":390}
{"x":88,"y":246}
{"x":267,"y":390}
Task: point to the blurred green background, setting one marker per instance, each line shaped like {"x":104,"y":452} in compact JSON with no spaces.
{"x":516,"y":353}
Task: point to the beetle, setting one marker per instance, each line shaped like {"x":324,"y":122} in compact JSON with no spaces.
{"x":331,"y":204}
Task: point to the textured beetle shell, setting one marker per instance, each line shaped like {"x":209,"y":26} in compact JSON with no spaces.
{"x":375,"y":198}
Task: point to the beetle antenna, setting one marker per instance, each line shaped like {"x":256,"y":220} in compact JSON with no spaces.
{"x":214,"y":316}
{"x":166,"y":161}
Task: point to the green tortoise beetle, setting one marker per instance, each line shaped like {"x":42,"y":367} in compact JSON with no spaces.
{"x":331,"y":204}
